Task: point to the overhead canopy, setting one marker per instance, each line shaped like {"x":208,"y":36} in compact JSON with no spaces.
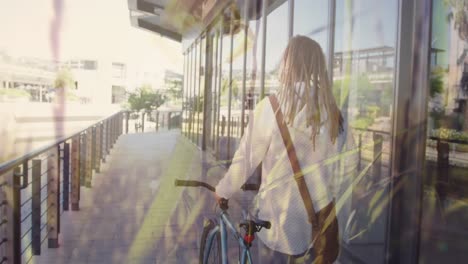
{"x":185,"y":19}
{"x":169,"y":18}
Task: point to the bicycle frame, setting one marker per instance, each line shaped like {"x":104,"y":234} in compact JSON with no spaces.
{"x":224,"y":224}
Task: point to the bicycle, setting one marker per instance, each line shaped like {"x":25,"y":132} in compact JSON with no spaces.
{"x":213,"y":246}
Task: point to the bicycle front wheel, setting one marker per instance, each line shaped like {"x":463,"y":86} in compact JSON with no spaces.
{"x":213,"y":249}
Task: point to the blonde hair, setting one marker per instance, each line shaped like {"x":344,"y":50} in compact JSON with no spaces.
{"x":303,"y":62}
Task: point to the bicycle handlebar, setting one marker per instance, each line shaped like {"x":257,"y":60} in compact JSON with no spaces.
{"x":194,"y":184}
{"x":250,"y":187}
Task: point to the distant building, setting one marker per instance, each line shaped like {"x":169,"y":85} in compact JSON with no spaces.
{"x":33,"y":76}
{"x":96,"y":81}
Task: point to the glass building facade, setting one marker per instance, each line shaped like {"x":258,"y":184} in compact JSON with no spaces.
{"x":400,"y":77}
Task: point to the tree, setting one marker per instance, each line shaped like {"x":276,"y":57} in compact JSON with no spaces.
{"x":64,"y":84}
{"x":175,"y":89}
{"x":64,"y":79}
{"x":145,"y":98}
{"x":437,"y":81}
{"x":225,"y":88}
{"x":369,"y":100}
{"x":459,"y":16}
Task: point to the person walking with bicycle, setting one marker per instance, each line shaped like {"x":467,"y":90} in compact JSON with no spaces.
{"x":299,"y":137}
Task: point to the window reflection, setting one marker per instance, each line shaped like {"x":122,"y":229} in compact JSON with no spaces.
{"x":225,"y":87}
{"x":238,"y":53}
{"x":311,"y":20}
{"x":254,"y":55}
{"x":445,"y":211}
{"x":276,"y":41}
{"x":363,"y":73}
{"x":196,"y":66}
{"x":200,"y":91}
{"x":184,"y":98}
{"x":214,"y":87}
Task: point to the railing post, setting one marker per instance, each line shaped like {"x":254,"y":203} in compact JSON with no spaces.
{"x":89,"y":158}
{"x":112,"y":132}
{"x":75,"y":177}
{"x":11,"y":200}
{"x":36,"y":207}
{"x":377,"y":166}
{"x":109,"y":131}
{"x":179,"y":124}
{"x":93,"y":147}
{"x":25,"y":175}
{"x":169,"y":120}
{"x":17,"y":216}
{"x":109,"y":134}
{"x":97,"y":146}
{"x":120,"y":124}
{"x":443,"y":163}
{"x":4,"y":223}
{"x":126,"y":121}
{"x":157,"y":120}
{"x":66,"y":175}
{"x":52,"y":196}
{"x":83,"y":153}
{"x":116,"y":124}
{"x":360,"y":151}
{"x":223,"y":124}
{"x":58,"y":162}
{"x":102,"y":143}
{"x":105,"y":138}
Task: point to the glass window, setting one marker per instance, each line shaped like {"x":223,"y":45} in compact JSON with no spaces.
{"x":118,"y":94}
{"x":118,"y":70}
{"x":238,"y":54}
{"x":254,"y":55}
{"x":190,"y":92}
{"x":219,"y":71}
{"x":444,"y":208}
{"x":311,"y":20}
{"x":193,"y":90}
{"x":196,"y":80}
{"x":363,"y":81}
{"x":201,"y":90}
{"x":225,"y":86}
{"x":215,"y":87}
{"x":276,"y":41}
{"x":90,"y":65}
{"x":185,"y":93}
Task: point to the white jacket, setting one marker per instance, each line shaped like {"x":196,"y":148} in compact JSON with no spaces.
{"x":278,"y":199}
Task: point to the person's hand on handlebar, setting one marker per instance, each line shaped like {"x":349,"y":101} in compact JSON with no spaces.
{"x":222,"y":202}
{"x":217,"y":197}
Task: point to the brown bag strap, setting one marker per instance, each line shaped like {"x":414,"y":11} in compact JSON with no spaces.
{"x":296,"y":167}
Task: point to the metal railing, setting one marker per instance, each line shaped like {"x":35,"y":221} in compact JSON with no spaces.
{"x":37,"y":188}
{"x":138,"y":122}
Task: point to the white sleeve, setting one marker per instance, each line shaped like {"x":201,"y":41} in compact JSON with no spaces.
{"x":252,"y":149}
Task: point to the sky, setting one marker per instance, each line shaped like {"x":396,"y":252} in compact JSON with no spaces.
{"x":88,"y":29}
{"x":373,"y":25}
{"x":94,"y":29}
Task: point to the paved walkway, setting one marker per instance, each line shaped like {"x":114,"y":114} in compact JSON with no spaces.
{"x":133,"y":213}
